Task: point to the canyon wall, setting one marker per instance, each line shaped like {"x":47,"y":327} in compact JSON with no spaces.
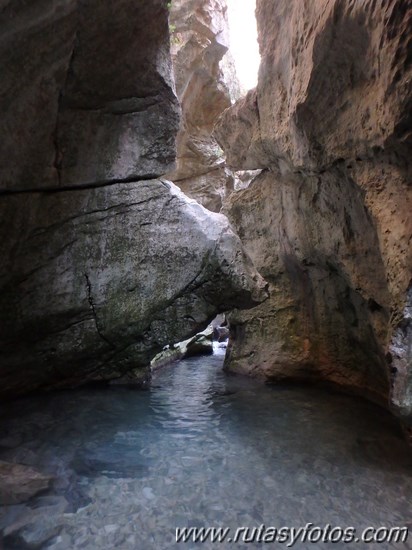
{"x":328,"y":222}
{"x":102,"y":263}
{"x":206,"y":84}
{"x":77,"y":107}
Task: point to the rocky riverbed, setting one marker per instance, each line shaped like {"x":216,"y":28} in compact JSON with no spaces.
{"x":200,"y":448}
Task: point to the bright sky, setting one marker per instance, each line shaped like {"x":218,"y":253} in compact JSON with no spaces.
{"x":243,"y":38}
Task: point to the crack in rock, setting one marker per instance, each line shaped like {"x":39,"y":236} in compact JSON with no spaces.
{"x":93,"y":309}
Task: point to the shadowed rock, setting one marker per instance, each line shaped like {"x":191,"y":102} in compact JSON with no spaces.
{"x":19,"y":483}
{"x":331,"y":228}
{"x":96,"y":282}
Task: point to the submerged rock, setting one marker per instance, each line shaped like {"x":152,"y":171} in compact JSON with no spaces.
{"x":18,"y":483}
{"x":39,"y":524}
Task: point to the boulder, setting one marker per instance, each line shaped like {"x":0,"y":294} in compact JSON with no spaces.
{"x":199,"y":345}
{"x":221,"y":334}
{"x":102,"y":264}
{"x":95,"y":282}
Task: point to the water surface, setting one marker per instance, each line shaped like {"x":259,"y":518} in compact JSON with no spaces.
{"x":200,"y":448}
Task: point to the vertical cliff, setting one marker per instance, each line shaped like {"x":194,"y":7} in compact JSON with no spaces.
{"x":102,"y":265}
{"x":328,"y":222}
{"x":206,"y":85}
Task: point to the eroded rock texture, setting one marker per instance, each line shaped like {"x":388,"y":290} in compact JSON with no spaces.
{"x":206,"y":85}
{"x":329,"y":221}
{"x":99,"y":270}
{"x":86,"y":92}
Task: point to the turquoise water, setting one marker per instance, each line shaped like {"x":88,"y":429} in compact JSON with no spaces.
{"x":200,"y":448}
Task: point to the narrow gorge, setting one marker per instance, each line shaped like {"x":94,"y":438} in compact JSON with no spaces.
{"x":143,"y":193}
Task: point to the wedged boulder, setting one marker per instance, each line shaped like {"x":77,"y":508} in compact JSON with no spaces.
{"x":95,"y":282}
{"x":86,"y":94}
{"x":328,"y":224}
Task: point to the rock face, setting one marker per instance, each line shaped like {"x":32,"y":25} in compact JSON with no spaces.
{"x":99,"y":270}
{"x":86,"y":93}
{"x":206,"y":85}
{"x":328,"y":222}
{"x":97,"y":281}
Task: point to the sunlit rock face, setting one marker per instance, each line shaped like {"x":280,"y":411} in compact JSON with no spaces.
{"x":329,"y":221}
{"x":206,"y":85}
{"x":101,"y":265}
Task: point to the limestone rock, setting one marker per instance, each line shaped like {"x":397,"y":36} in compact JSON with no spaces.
{"x":206,"y":85}
{"x":326,"y":317}
{"x":86,"y":93}
{"x":94,"y":282}
{"x":329,"y":223}
{"x":401,"y":363}
{"x":169,"y":355}
{"x":334,"y":84}
{"x":100,"y":269}
{"x":18,"y":483}
{"x":37,"y":526}
{"x":199,"y":344}
{"x":238,"y":133}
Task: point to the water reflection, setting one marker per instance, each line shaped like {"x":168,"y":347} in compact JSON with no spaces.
{"x":200,"y":448}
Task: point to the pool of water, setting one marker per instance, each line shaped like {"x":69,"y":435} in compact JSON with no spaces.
{"x":200,"y":448}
